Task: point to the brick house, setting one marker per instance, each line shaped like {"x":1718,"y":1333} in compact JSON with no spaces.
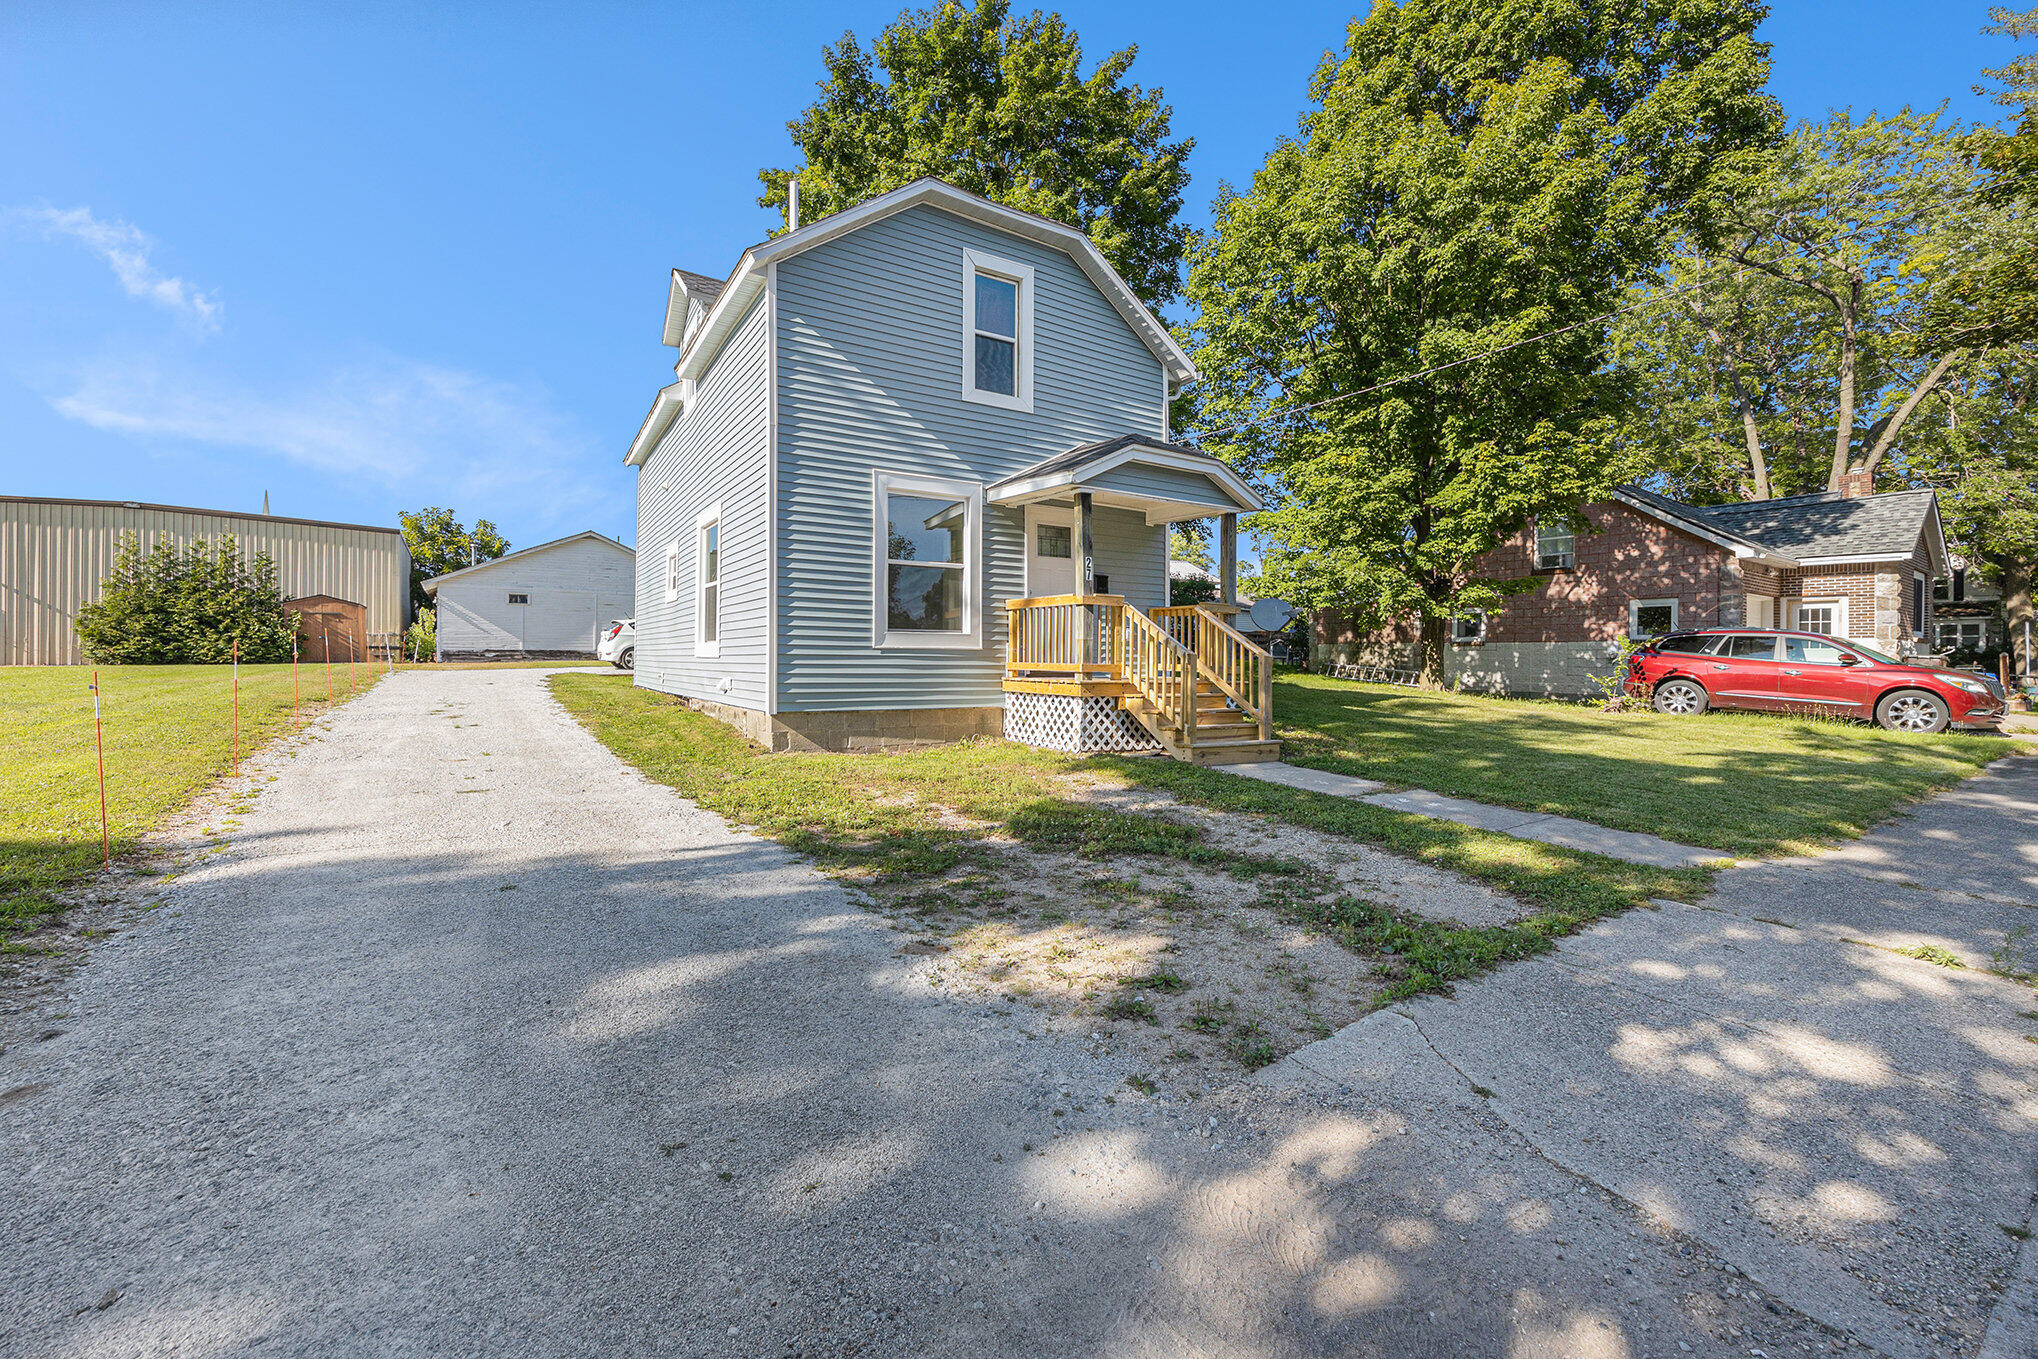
{"x":1850,"y":564}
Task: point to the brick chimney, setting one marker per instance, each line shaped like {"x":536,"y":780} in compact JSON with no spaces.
{"x":1856,"y":484}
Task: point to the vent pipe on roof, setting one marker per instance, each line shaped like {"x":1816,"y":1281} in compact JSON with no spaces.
{"x":792,"y":205}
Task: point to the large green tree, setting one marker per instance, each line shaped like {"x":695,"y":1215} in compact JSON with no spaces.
{"x":999,"y":106}
{"x":1474,"y":174}
{"x":439,"y":543}
{"x":1799,"y":345}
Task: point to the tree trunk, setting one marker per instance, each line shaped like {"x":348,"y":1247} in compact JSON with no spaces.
{"x":1843,"y":424}
{"x":1432,"y":652}
{"x":1895,"y":423}
{"x":2016,"y":579}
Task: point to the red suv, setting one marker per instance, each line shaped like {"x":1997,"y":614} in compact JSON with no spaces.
{"x":1808,"y":672}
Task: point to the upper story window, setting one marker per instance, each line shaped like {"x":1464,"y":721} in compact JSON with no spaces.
{"x":1555,"y":545}
{"x":997,"y":331}
{"x":519,"y":599}
{"x":927,"y":585}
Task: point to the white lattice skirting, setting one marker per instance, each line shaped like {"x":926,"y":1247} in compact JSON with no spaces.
{"x":1075,"y":724}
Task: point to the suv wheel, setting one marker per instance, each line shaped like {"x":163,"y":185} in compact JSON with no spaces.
{"x":628,"y":659}
{"x":1680,"y":698}
{"x":1913,"y":710}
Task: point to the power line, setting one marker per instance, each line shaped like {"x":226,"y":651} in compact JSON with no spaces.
{"x":1651,"y":300}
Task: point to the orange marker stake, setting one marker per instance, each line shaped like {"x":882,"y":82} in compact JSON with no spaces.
{"x":327,"y":638}
{"x":293,"y":679}
{"x":99,"y":740}
{"x":237,"y":708}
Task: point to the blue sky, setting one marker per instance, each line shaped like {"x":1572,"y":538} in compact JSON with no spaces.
{"x":368,"y":257}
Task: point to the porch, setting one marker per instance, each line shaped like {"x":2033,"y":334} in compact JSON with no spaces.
{"x":1086,"y":669}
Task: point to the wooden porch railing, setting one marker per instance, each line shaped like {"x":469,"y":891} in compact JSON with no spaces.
{"x":1242,"y":672}
{"x":1064,"y":634}
{"x":1163,"y":671}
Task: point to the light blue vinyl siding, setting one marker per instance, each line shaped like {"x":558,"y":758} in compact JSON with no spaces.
{"x":1162,"y":483}
{"x":1131,"y":554}
{"x":870,"y":378}
{"x":715,"y":451}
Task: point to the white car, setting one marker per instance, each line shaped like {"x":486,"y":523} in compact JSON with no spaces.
{"x":619,"y":643}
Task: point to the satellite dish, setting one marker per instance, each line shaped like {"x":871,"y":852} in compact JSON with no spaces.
{"x":1271,"y":615}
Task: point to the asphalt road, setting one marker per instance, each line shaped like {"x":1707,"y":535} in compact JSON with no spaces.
{"x":474,"y":1043}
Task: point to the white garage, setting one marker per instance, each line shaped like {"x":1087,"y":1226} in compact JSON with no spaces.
{"x":545,"y":602}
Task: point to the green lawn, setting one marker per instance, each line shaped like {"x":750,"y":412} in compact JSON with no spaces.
{"x":1749,"y":783}
{"x":880,"y":817}
{"x":169,"y":733}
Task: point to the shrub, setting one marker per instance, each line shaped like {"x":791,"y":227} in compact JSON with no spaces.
{"x":164,"y":606}
{"x":421,"y":643}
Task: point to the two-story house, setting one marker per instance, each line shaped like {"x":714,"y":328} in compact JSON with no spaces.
{"x":913,"y":484}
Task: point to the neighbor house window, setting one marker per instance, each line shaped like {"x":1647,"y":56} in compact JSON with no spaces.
{"x":1470,"y":627}
{"x":520,"y":599}
{"x":672,"y":571}
{"x":925,"y":575}
{"x":1827,"y":617}
{"x":707,"y":578}
{"x":1554,"y":544}
{"x":997,"y":331}
{"x":1651,"y":617}
{"x":1963,"y":634}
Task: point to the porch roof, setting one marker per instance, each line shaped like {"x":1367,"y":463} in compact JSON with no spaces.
{"x":1167,"y":482}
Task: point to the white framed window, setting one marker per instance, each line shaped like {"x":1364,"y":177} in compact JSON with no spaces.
{"x":707,"y":581}
{"x":997,"y":331}
{"x":519,"y":598}
{"x":1469,"y":628}
{"x":672,"y":572}
{"x":1827,"y":617}
{"x":1556,"y":545}
{"x":1921,"y":605}
{"x":927,"y":584}
{"x":1962,"y":634}
{"x":1651,"y":617}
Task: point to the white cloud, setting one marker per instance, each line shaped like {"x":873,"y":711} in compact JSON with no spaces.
{"x":405,"y":424}
{"x":126,"y":249}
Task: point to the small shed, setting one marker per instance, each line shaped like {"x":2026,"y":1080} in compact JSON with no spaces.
{"x":548,"y":602}
{"x":330,"y":629}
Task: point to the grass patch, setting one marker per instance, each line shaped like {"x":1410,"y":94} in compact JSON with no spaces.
{"x":1933,"y":954}
{"x":896,"y":816}
{"x":1745,"y":783}
{"x":168,"y":734}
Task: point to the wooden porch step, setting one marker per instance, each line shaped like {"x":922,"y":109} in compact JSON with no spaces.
{"x":1231,"y":752}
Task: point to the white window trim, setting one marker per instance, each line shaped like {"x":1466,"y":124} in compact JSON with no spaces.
{"x":1478,"y":638}
{"x":1841,"y":631}
{"x":672,"y":572}
{"x":971,"y":638}
{"x":711,"y":515}
{"x":1635,"y":607}
{"x":973,"y":263}
{"x":1536,"y":546}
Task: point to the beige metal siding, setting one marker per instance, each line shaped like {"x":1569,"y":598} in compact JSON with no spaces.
{"x":54,"y":554}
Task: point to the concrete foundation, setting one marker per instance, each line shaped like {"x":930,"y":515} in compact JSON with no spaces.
{"x":517,"y":656}
{"x":871,"y":729}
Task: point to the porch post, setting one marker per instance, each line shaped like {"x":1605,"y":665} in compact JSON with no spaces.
{"x":1086,"y":578}
{"x":1227,"y":569}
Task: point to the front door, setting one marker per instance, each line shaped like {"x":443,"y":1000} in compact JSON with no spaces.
{"x":1050,"y":552}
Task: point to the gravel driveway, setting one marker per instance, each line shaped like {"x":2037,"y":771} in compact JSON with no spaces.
{"x":474,"y":1043}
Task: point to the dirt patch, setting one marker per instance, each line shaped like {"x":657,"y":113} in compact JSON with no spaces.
{"x":1192,"y":971}
{"x":1339,"y":866}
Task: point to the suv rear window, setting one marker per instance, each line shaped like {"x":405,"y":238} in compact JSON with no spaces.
{"x":1698,"y":644}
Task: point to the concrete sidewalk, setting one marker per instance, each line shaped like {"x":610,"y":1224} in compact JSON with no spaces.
{"x":1633,"y":846}
{"x":1767,"y":1073}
